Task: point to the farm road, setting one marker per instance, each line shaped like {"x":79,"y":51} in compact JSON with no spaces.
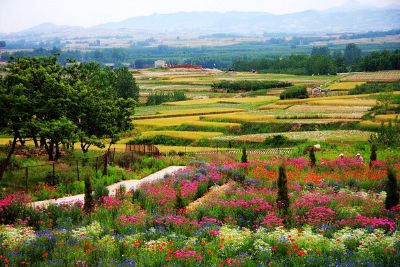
{"x":129,"y":185}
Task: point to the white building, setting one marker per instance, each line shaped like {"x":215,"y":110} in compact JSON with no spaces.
{"x":160,"y":64}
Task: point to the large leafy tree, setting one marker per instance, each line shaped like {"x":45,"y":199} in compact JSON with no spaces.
{"x":39,"y":98}
{"x":125,"y":84}
{"x":352,"y":53}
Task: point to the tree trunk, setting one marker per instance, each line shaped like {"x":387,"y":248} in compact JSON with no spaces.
{"x":58,"y":154}
{"x":42,"y":142}
{"x":21,"y":140}
{"x":50,"y":150}
{"x":35,"y":141}
{"x":6,"y":161}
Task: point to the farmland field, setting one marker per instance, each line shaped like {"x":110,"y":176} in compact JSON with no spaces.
{"x":381,"y":76}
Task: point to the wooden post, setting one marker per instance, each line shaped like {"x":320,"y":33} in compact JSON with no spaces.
{"x":54,"y":174}
{"x":77,"y":169}
{"x":113,"y":156}
{"x":105,"y":163}
{"x":26,"y":179}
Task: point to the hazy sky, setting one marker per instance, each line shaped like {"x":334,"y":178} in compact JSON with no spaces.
{"x":16,"y":15}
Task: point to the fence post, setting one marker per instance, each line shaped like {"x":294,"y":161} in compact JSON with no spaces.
{"x":26,"y":179}
{"x":105,"y":163}
{"x":77,"y":169}
{"x":54,"y":174}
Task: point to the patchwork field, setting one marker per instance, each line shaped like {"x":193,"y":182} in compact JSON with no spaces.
{"x":380,"y":76}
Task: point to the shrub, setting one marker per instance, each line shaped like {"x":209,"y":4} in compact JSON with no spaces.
{"x":373,"y":156}
{"x":234,"y":86}
{"x":375,"y":87}
{"x":392,"y":193}
{"x":88,"y":205}
{"x":283,"y":197}
{"x":100,"y":190}
{"x":313,"y":159}
{"x":294,"y":92}
{"x":244,"y":155}
{"x":161,"y":97}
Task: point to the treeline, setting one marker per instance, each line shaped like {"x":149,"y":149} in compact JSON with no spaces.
{"x":234,"y":86}
{"x":375,"y":87}
{"x":294,"y":92}
{"x":161,"y":97}
{"x":54,"y":105}
{"x":322,"y":61}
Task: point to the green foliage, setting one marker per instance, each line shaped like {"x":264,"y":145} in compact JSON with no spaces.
{"x":392,"y":191}
{"x":100,"y":190}
{"x":294,"y":92}
{"x":352,"y":53}
{"x":277,"y":141}
{"x":380,"y":60}
{"x":243,"y":158}
{"x":161,"y":97}
{"x":375,"y":87}
{"x":234,"y":86}
{"x":389,"y":136}
{"x":89,"y":203}
{"x":283,"y":196}
{"x":125,"y":84}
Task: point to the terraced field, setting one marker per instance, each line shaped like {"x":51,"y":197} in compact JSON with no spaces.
{"x":217,"y":115}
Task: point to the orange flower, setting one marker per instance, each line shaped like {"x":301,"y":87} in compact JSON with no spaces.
{"x":45,"y":254}
{"x":168,"y":258}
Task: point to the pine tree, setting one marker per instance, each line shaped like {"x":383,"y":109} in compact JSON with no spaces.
{"x":373,"y":155}
{"x":244,"y":155}
{"x":313,"y":159}
{"x":283,"y":197}
{"x":89,"y":202}
{"x":392,"y":193}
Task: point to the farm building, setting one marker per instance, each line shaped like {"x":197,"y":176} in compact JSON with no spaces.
{"x":160,"y":64}
{"x":317,"y":91}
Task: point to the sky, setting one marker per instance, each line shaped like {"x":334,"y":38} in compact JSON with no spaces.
{"x":17,"y":15}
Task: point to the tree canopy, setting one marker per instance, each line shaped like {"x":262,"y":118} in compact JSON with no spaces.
{"x":40,"y":99}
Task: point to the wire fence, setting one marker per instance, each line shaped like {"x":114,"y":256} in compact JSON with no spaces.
{"x":65,"y":173}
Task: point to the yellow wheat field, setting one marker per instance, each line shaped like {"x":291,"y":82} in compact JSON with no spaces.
{"x":212,"y":124}
{"x":344,"y":102}
{"x":379,"y":76}
{"x":387,"y":117}
{"x":189,"y":135}
{"x":344,"y":85}
{"x":239,"y":100}
{"x":273,"y":106}
{"x":321,"y":107}
{"x":188,"y":112}
{"x":240,"y":117}
{"x":165,"y":122}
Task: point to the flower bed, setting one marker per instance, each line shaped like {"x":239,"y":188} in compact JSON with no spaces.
{"x":336,"y":217}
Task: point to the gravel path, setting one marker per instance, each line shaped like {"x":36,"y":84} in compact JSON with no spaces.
{"x":129,"y":185}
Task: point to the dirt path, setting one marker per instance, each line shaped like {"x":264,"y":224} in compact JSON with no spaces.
{"x":129,"y":185}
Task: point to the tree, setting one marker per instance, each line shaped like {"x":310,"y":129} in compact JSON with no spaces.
{"x":56,"y":132}
{"x":352,"y":53}
{"x":320,"y":51}
{"x":88,"y":201}
{"x":392,"y":193}
{"x":282,"y":200}
{"x":125,"y":84}
{"x":244,"y":155}
{"x":384,"y":100}
{"x":313,"y":159}
{"x":373,"y":157}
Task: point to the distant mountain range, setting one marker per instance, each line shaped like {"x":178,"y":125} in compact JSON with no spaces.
{"x":336,"y":20}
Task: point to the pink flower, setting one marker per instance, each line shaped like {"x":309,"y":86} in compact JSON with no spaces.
{"x":214,"y":232}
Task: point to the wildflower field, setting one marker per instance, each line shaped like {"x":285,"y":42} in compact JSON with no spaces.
{"x":221,"y":213}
